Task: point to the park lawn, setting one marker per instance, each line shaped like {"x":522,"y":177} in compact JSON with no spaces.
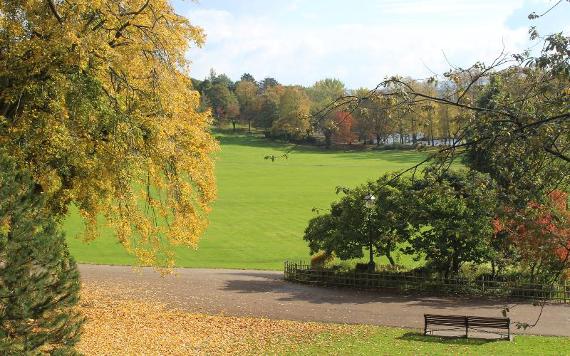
{"x":263,"y":207}
{"x":379,"y":340}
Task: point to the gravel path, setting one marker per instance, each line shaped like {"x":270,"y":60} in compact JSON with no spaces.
{"x":265,"y":294}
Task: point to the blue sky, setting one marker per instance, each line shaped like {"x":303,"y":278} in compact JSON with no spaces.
{"x":359,"y":41}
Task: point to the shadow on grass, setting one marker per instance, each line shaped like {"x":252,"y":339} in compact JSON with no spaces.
{"x":454,"y":340}
{"x":408,"y":156}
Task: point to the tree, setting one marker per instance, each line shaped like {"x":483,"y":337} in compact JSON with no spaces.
{"x":351,"y":227}
{"x":232,"y":110}
{"x":222,"y":79}
{"x":39,"y":281}
{"x":268,"y":111}
{"x":246,"y":77}
{"x":374,"y":117}
{"x":344,"y":122}
{"x":512,"y":117}
{"x":516,"y":122}
{"x":519,"y":165}
{"x":96,"y":100}
{"x":452,"y":219}
{"x":267,"y":83}
{"x":246,"y":93}
{"x":451,"y":119}
{"x":323,"y":93}
{"x":294,"y":108}
{"x":363,"y":123}
{"x":225,"y":104}
{"x":427,"y":113}
{"x":540,"y":233}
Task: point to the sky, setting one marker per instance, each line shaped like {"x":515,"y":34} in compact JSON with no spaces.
{"x":360,"y":41}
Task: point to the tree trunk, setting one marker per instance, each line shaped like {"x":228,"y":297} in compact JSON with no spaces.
{"x":389,"y":256}
{"x":377,"y":139}
{"x":455,"y":265}
{"x":414,"y":136}
{"x":328,"y":139}
{"x":234,"y":126}
{"x":249,"y":126}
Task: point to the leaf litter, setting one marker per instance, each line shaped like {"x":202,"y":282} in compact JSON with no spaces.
{"x":121,"y":320}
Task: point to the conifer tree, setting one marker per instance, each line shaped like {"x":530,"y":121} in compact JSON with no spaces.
{"x":39,"y":280}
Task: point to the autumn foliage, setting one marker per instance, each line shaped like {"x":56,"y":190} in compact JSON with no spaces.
{"x":344,"y":122}
{"x":96,"y":99}
{"x":540,"y":233}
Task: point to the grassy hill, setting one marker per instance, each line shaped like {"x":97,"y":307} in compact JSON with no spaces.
{"x":263,"y":207}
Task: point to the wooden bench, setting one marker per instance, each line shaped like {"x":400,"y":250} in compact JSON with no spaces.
{"x":477,"y":323}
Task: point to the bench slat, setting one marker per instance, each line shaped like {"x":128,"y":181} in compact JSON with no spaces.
{"x":460,"y":321}
{"x":476,"y":318}
{"x":467,"y":322}
{"x":444,"y":316}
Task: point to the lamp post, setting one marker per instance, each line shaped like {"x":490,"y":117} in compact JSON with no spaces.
{"x":369,"y":203}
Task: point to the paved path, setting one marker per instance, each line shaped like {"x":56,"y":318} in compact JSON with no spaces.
{"x":265,"y":294}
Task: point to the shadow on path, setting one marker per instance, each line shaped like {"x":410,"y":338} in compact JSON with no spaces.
{"x":289,"y":291}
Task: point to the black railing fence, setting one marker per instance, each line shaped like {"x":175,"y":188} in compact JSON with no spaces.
{"x":410,"y":282}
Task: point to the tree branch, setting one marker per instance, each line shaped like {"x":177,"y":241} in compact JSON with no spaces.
{"x":557,"y":154}
{"x":54,"y":11}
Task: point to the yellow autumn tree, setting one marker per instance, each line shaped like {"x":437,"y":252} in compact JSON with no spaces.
{"x":96,"y":101}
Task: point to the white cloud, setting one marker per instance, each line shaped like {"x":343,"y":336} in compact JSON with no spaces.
{"x":447,"y":7}
{"x":360,"y":55}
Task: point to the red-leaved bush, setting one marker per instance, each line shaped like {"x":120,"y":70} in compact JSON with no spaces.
{"x":541,"y":234}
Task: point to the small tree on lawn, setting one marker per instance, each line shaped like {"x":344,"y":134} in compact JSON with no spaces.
{"x":351,"y":228}
{"x":452,"y":216}
{"x":39,"y":281}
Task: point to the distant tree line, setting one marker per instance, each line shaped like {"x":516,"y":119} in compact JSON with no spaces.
{"x":303,"y":114}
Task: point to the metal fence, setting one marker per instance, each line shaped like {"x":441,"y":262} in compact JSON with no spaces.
{"x":408,"y":282}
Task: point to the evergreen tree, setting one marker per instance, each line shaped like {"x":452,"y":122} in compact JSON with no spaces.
{"x":246,"y":77}
{"x":39,"y":280}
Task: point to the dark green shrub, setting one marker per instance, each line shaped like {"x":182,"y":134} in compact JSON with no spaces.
{"x":39,"y":280}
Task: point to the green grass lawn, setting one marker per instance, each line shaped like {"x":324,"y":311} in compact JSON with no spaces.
{"x":378,"y":340}
{"x":263,"y":207}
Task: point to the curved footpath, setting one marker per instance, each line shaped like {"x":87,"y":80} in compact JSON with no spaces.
{"x":266,"y":294}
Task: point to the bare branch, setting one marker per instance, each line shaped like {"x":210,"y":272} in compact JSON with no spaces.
{"x":54,"y":11}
